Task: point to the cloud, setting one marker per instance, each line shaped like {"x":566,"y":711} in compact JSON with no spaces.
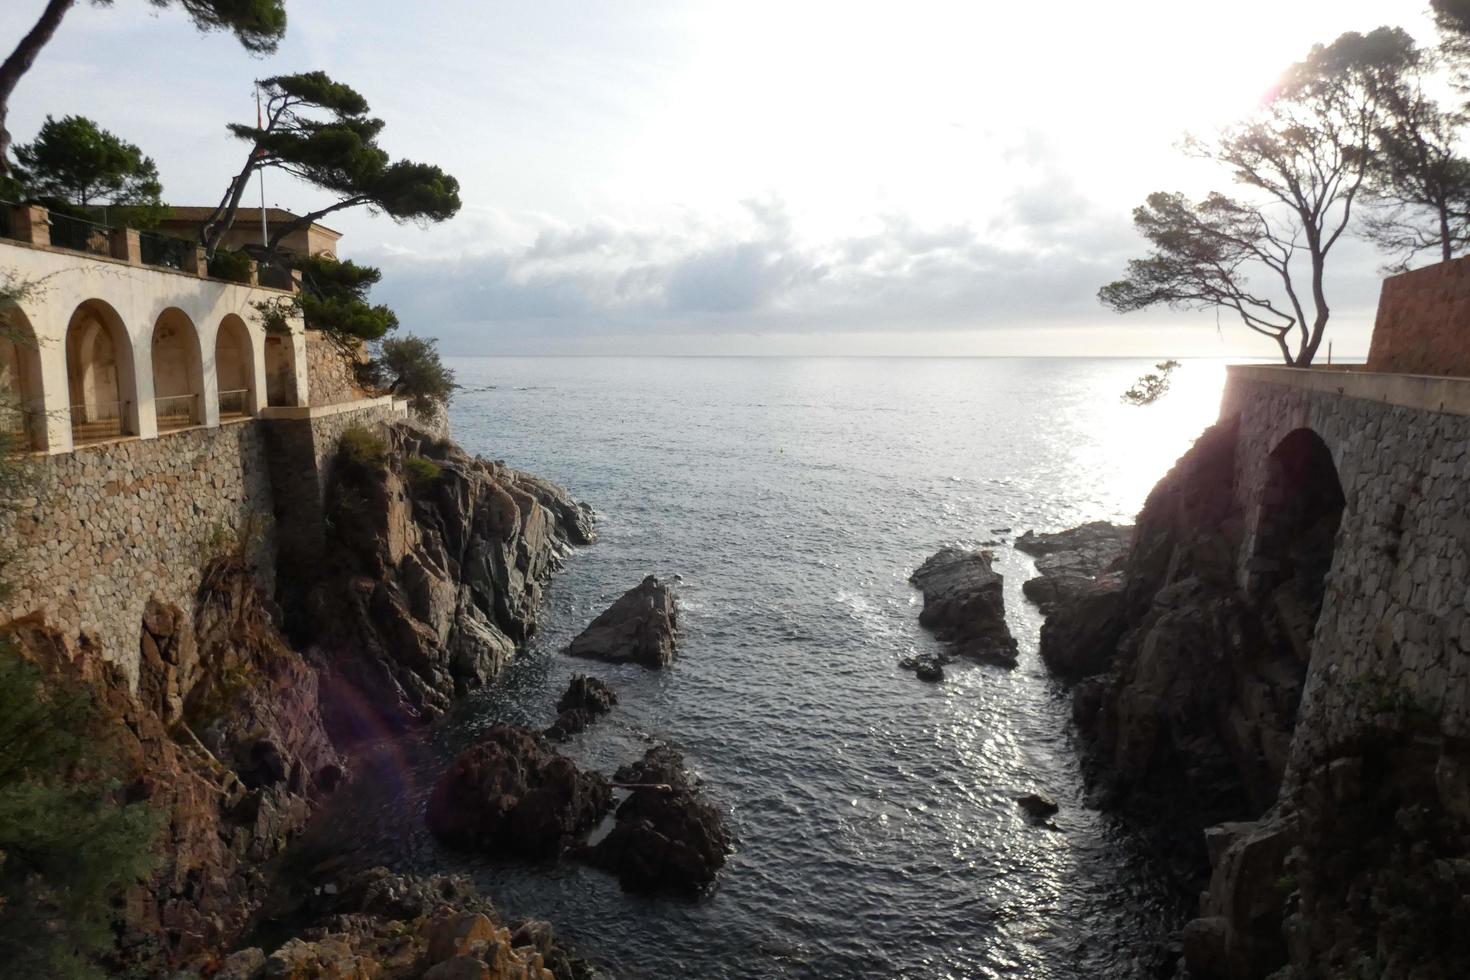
{"x":754,"y":274}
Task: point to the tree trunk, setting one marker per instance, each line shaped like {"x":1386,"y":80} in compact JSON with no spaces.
{"x":19,"y":63}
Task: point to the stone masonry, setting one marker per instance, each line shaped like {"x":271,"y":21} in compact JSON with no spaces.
{"x":329,"y":375}
{"x":1396,"y":615}
{"x":1423,"y":324}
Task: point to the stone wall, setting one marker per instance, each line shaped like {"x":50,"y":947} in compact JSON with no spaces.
{"x":330,"y":379}
{"x":105,"y":527}
{"x":1395,"y":622}
{"x":1423,"y":324}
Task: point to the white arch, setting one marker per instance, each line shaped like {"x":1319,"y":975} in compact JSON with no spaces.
{"x":178,"y":372}
{"x":101,"y":379}
{"x":234,"y":368}
{"x":22,"y":391}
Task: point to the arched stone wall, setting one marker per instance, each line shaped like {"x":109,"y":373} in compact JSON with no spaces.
{"x":234,"y":367}
{"x":178,"y":374}
{"x":22,"y":392}
{"x":101,"y":380}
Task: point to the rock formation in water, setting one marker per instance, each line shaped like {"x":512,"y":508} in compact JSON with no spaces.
{"x":667,"y":837}
{"x":964,"y":604}
{"x":639,"y":628}
{"x":439,"y":572}
{"x":1070,"y":563}
{"x":222,"y":740}
{"x":512,"y":796}
{"x":585,"y":700}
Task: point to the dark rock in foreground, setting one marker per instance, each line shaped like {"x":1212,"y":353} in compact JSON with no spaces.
{"x":667,"y":838}
{"x":512,"y":796}
{"x":925,"y":668}
{"x":1075,"y":562}
{"x":585,"y":700}
{"x":638,"y":628}
{"x":1038,"y":806}
{"x":964,"y":604}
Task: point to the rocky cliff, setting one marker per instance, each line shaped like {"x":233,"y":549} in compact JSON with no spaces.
{"x":1316,"y":854}
{"x":436,"y":565}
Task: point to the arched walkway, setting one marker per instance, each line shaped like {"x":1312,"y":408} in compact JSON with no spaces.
{"x":280,"y":370}
{"x":178,"y":373}
{"x":22,"y":408}
{"x":99,"y":372}
{"x":234,"y":369}
{"x":1296,"y":532}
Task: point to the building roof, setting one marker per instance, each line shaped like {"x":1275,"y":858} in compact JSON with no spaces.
{"x":196,"y":215}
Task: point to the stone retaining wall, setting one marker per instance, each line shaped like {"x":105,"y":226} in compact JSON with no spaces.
{"x":105,"y":527}
{"x":1395,"y":623}
{"x":1423,"y":324}
{"x":330,"y":378}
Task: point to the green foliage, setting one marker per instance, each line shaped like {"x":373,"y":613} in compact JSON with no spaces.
{"x":258,"y":25}
{"x":1152,"y":386}
{"x":362,"y":448}
{"x":74,"y":161}
{"x":68,"y":846}
{"x":411,"y":366}
{"x":231,"y":265}
{"x":319,"y":130}
{"x":421,"y":472}
{"x":334,"y":300}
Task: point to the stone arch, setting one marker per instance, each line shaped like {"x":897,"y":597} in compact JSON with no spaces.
{"x":22,"y":403}
{"x":178,"y":371}
{"x":280,"y":369}
{"x":234,"y":368}
{"x":1296,"y":533}
{"x":101,"y":382}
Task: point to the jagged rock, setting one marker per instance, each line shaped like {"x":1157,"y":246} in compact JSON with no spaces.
{"x":224,"y":742}
{"x":1038,"y":806}
{"x":964,"y":604}
{"x":512,"y":796}
{"x":925,"y":668}
{"x":435,"y":581}
{"x":667,"y":838}
{"x":638,"y":628}
{"x":1086,"y":619}
{"x":586,"y":698}
{"x":1072,"y":563}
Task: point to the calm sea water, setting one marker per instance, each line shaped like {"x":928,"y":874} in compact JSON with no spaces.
{"x":878,"y":834}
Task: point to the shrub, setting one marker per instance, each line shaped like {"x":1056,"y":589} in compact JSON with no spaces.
{"x":421,"y":472}
{"x":67,"y":847}
{"x":233,"y":266}
{"x":362,"y":448}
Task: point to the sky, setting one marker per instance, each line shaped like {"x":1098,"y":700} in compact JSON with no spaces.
{"x":794,"y":177}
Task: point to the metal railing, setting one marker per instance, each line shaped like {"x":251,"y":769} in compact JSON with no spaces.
{"x":234,"y":403}
{"x":22,"y":428}
{"x":80,"y":235}
{"x":163,"y":250}
{"x":97,"y":420}
{"x":175,"y":411}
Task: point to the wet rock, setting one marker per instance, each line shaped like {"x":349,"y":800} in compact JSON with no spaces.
{"x":667,"y":837}
{"x":585,"y":700}
{"x":434,"y":583}
{"x":512,"y":796}
{"x":964,"y":604}
{"x":1038,"y":806}
{"x":1071,"y":563}
{"x":925,"y":668}
{"x":638,"y":628}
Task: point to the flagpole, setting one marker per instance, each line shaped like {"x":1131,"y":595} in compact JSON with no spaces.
{"x":260,"y":124}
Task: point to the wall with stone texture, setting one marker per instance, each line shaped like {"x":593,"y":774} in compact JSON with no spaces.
{"x":105,"y":527}
{"x":1395,"y":623}
{"x":330,"y":378}
{"x":1423,"y":324}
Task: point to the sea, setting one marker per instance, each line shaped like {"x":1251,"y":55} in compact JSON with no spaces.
{"x":789,"y":498}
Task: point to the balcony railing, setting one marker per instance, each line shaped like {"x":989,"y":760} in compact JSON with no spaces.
{"x":97,"y":420}
{"x":80,"y":234}
{"x":234,"y":403}
{"x":175,"y":411}
{"x":163,"y":250}
{"x":21,"y":428}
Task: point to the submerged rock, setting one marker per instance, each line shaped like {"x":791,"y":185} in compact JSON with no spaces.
{"x":638,"y":628}
{"x":586,"y":699}
{"x":667,"y":837}
{"x":964,"y":604}
{"x":512,"y":796}
{"x":925,"y":668}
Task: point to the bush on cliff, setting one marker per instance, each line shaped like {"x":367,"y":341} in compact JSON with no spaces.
{"x":68,"y":847}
